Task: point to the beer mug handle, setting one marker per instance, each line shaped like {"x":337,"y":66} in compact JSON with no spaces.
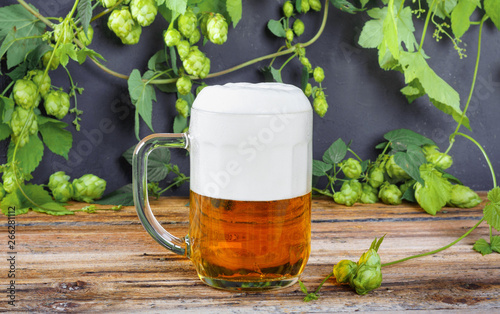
{"x":140,"y":187}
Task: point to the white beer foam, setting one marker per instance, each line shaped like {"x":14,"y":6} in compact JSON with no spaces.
{"x":248,"y":98}
{"x":251,"y":142}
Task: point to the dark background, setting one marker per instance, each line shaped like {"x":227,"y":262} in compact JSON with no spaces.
{"x":364,"y":100}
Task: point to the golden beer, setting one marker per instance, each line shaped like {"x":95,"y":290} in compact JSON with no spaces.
{"x":250,"y":149}
{"x":253,"y":242}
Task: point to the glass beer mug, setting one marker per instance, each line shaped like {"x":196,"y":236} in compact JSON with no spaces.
{"x":250,"y":148}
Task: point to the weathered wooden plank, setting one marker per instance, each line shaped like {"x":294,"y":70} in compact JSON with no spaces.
{"x":107,"y":262}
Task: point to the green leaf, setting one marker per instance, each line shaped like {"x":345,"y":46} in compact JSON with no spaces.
{"x":494,"y":195}
{"x":178,"y":6}
{"x":82,"y":54}
{"x":66,"y":51}
{"x":36,"y":193}
{"x":492,"y":215}
{"x":13,"y":200}
{"x":85,"y":13}
{"x":495,"y":243}
{"x":180,"y":123}
{"x":5,"y":131}
{"x":276,"y":27}
{"x":304,"y":79}
{"x":234,"y":9}
{"x":271,"y":74}
{"x":413,"y":91}
{"x":372,"y":34}
{"x":28,"y":156}
{"x":460,"y":17}
{"x":298,"y":5}
{"x":443,"y":8}
{"x":482,"y":247}
{"x":173,"y":60}
{"x":410,"y":161}
{"x":15,"y":23}
{"x":442,"y":95}
{"x":492,"y":8}
{"x":158,"y":58}
{"x":142,"y":95}
{"x":409,"y":194}
{"x":57,"y":139}
{"x":345,"y":6}
{"x":53,"y":208}
{"x":390,"y":29}
{"x":401,"y":138}
{"x":302,"y":287}
{"x":363,"y":3}
{"x":7,"y":106}
{"x":123,"y":196}
{"x":336,"y":152}
{"x":436,"y":192}
{"x":158,"y":161}
{"x":320,"y":168}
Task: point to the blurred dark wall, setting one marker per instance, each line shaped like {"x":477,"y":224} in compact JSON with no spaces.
{"x":364,"y":100}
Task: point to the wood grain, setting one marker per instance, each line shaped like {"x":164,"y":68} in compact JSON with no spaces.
{"x":106,"y":262}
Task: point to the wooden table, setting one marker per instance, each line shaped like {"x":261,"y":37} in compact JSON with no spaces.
{"x":107,"y":262}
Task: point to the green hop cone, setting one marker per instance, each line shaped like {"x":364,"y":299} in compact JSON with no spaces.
{"x":370,"y":258}
{"x":108,"y":3}
{"x":368,"y":194}
{"x":41,"y":80}
{"x":172,"y":37}
{"x":63,"y":192}
{"x":203,"y":23}
{"x":217,"y":29}
{"x":57,"y":104}
{"x":54,"y":64}
{"x":25,"y":94}
{"x":88,"y":188}
{"x":320,"y":106}
{"x":86,"y":39}
{"x":464,"y":197}
{"x":184,"y":85}
{"x":288,"y":8}
{"x":134,"y":36}
{"x":61,"y":188}
{"x":390,"y":194}
{"x":186,"y":23}
{"x":305,"y":7}
{"x":298,"y":27}
{"x":315,"y":5}
{"x":2,"y":191}
{"x":57,"y":178}
{"x":349,"y":193}
{"x":395,"y":171}
{"x":63,"y":33}
{"x":195,"y":62}
{"x":182,"y":107}
{"x":376,"y":177}
{"x":434,"y":156}
{"x":183,"y":49}
{"x":23,"y":118}
{"x":122,"y":23}
{"x":351,"y":168}
{"x":318,"y":74}
{"x":308,"y":90}
{"x":366,"y":279}
{"x":9,"y":182}
{"x":344,"y":270}
{"x":305,"y":62}
{"x":144,"y":11}
{"x":289,"y":35}
{"x":206,"y":68}
{"x":195,"y":37}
